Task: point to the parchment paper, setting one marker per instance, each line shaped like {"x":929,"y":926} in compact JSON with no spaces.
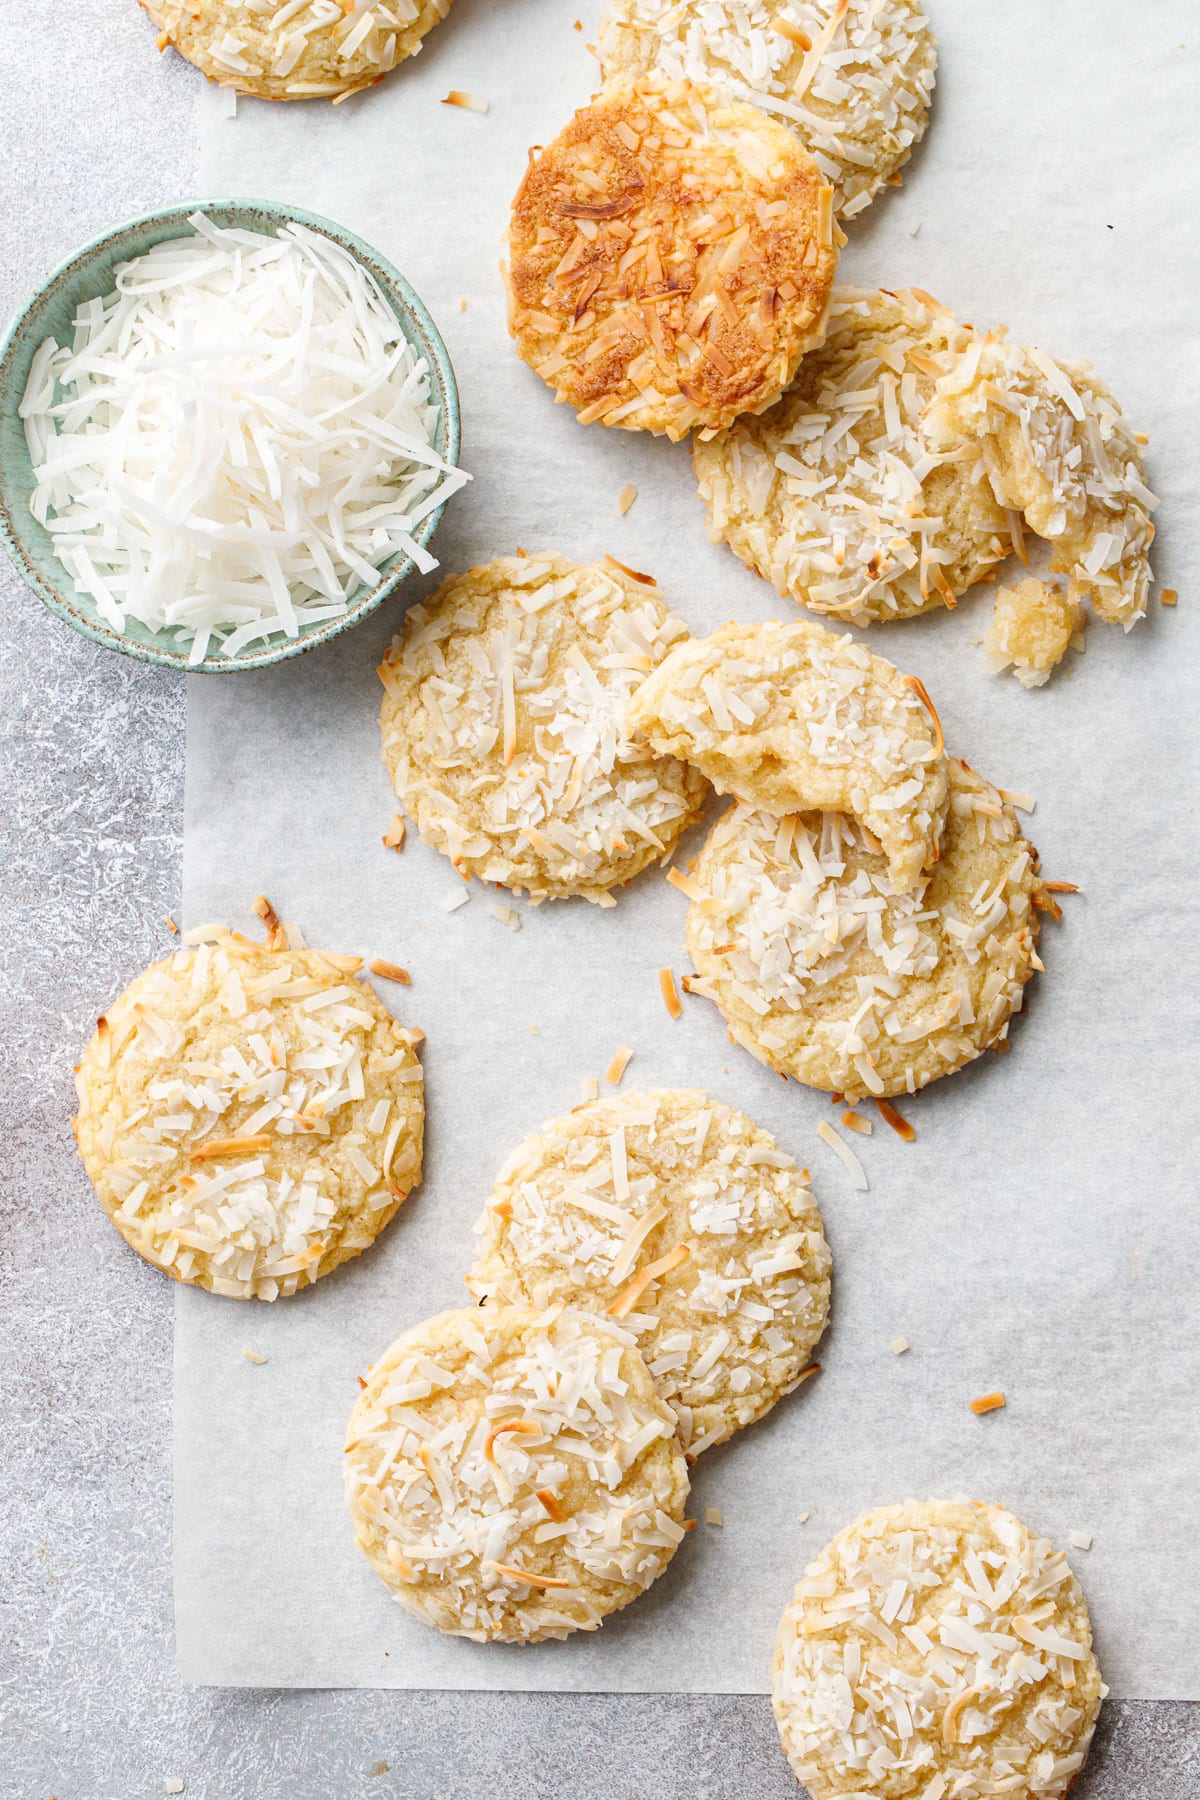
{"x":1041,"y":1236}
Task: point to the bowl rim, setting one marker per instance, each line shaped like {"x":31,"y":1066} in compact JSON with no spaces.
{"x":410,"y":310}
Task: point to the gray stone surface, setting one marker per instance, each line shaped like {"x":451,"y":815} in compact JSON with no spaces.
{"x":95,"y":127}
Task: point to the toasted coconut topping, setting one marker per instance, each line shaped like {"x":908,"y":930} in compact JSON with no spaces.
{"x":1169,"y":597}
{"x":731,"y":1290}
{"x":853,"y":78}
{"x":666,"y":982}
{"x":836,"y":495}
{"x":504,"y":730}
{"x":532,"y":1525}
{"x":396,"y":833}
{"x":936,"y":1650}
{"x":622,"y":1056}
{"x":834,"y":977}
{"x":626,"y":498}
{"x":254,"y":1115}
{"x":987,"y":1403}
{"x":469,"y":102}
{"x":899,"y":1125}
{"x":642,"y":242}
{"x":1058,"y":450}
{"x":390,"y":971}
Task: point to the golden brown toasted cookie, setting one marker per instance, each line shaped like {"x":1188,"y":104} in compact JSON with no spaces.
{"x":853,"y":78}
{"x":250,"y":1116}
{"x":835,"y":495}
{"x":513,"y":1475}
{"x":936,"y":1649}
{"x":823,"y":971}
{"x":788,"y":717}
{"x":504,"y":726}
{"x":299,"y":49}
{"x":671,"y":255}
{"x":685,"y":1221}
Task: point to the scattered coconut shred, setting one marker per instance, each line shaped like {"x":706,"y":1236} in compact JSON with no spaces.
{"x":236,"y":438}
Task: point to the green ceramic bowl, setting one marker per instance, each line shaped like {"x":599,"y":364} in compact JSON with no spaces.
{"x":49,"y":313}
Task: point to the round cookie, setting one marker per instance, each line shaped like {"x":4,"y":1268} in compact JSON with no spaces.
{"x":685,"y":1221}
{"x":311,"y":50}
{"x":853,"y":78}
{"x":936,"y":1651}
{"x":786,"y":717}
{"x":513,"y":1475}
{"x":670,"y":259}
{"x":1058,"y":449}
{"x":822,"y":971}
{"x":835,"y":495}
{"x":250,"y":1116}
{"x":504,"y":731}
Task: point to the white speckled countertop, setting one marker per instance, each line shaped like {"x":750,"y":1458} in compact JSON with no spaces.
{"x":91,"y":773}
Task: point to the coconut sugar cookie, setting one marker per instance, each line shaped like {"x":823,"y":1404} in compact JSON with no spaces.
{"x":683,"y":1220}
{"x":512,"y":1475}
{"x":316,"y":49}
{"x":786,"y":717}
{"x":822,"y":971}
{"x":670,"y":259}
{"x":835,"y":495}
{"x":853,"y":78}
{"x":504,"y":726}
{"x":1058,"y":449}
{"x":1031,"y":630}
{"x":937,"y":1650}
{"x":250,"y":1116}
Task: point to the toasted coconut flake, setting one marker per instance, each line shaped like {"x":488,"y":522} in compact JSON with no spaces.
{"x":252,"y":1356}
{"x":231,"y":1146}
{"x":521,"y":1427}
{"x":899,"y":1346}
{"x":629,"y":1295}
{"x":919,"y":689}
{"x":390,"y":971}
{"x":1169,"y":597}
{"x":270,"y":918}
{"x":512,"y":1573}
{"x":551,"y":1504}
{"x":713,"y":1516}
{"x":987,"y":1403}
{"x":950,"y":1715}
{"x":1014,"y":797}
{"x":666,"y":983}
{"x":469,"y":102}
{"x":172,"y":927}
{"x":626,"y":498}
{"x":854,"y":1121}
{"x":633,"y":574}
{"x":622,"y":1056}
{"x":899,"y":1125}
{"x":396,"y":833}
{"x":679,"y":880}
{"x":1061,"y":887}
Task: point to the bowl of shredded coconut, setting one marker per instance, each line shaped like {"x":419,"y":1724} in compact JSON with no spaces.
{"x":227,"y":433}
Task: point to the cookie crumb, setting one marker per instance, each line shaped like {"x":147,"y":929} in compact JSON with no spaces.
{"x":1031,"y":628}
{"x":987,"y":1403}
{"x":622,"y":1056}
{"x":381,"y":1768}
{"x":1080,"y":1540}
{"x":172,"y":1784}
{"x":252,"y":1356}
{"x":507,"y":915}
{"x":713,"y":1515}
{"x":899,"y":1345}
{"x":535,"y":1031}
{"x":626,"y":498}
{"x":803,"y":1517}
{"x":462,"y":305}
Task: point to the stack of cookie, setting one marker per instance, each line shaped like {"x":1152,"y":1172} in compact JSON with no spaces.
{"x":865,"y":917}
{"x":652,"y":1275}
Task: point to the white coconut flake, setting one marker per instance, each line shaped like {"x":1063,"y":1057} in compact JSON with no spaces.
{"x":841,"y":1148}
{"x":237,"y":438}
